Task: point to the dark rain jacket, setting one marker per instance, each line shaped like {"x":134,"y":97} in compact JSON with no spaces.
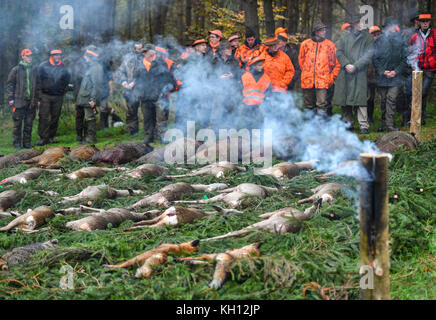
{"x":390,"y":53}
{"x":52,"y":79}
{"x":17,"y":86}
{"x":156,"y":82}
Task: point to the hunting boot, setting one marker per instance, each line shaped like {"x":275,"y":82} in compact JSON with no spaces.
{"x":91,"y":132}
{"x":104,"y":120}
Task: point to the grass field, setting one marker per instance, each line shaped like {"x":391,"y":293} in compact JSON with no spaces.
{"x":325,"y":251}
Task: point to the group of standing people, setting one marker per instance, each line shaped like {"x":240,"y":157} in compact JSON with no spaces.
{"x":341,"y":74}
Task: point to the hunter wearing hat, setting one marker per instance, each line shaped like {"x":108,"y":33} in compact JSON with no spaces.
{"x":291,"y":51}
{"x":390,"y":59}
{"x":354,"y":53}
{"x":278,"y":66}
{"x":215,"y":37}
{"x":53,"y":79}
{"x":319,"y":69}
{"x":22,"y":97}
{"x":423,"y":45}
{"x":89,"y":96}
{"x":250,"y":49}
{"x":234,"y":43}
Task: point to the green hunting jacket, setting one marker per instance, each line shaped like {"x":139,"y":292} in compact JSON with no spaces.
{"x":351,"y":89}
{"x":90,"y":88}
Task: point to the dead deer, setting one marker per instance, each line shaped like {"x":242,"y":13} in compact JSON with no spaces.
{"x":31,"y":220}
{"x":326,"y":192}
{"x":174,"y":192}
{"x":287,"y":220}
{"x":218,"y":169}
{"x":234,"y":196}
{"x":147,"y":169}
{"x":175,"y":216}
{"x":100,"y":219}
{"x":286,"y":170}
{"x":29,"y":174}
{"x":101,"y":191}
{"x":223,"y":261}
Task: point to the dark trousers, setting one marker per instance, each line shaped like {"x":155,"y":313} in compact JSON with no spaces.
{"x":80,"y":122}
{"x":148,"y":108}
{"x":388,"y":97}
{"x":316,"y":100}
{"x":23,"y":124}
{"x":49,"y":114}
{"x":132,"y":123}
{"x":371,"y":99}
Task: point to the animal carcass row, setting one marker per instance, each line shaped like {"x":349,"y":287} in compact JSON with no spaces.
{"x":121,"y":153}
{"x":91,"y":172}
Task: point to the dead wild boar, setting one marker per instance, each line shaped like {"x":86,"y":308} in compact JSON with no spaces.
{"x":18,"y":157}
{"x":21,"y":255}
{"x":121,"y":153}
{"x":49,"y":158}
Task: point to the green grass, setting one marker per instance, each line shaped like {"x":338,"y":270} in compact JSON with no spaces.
{"x":325,"y":251}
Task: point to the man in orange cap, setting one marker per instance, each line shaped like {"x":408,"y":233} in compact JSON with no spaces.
{"x":22,"y":97}
{"x":234,"y":43}
{"x":215,"y":37}
{"x":53,"y":79}
{"x":278,"y":66}
{"x":346,"y":27}
{"x":291,"y":51}
{"x":423,"y":43}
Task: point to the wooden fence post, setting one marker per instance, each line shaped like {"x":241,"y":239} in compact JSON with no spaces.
{"x":415,"y":119}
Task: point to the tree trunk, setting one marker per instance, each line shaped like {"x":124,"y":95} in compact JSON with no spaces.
{"x":180,"y":36}
{"x":269,"y":17}
{"x":129,"y":20}
{"x":251,"y":16}
{"x":293,"y":15}
{"x":326,"y":16}
{"x":350,"y":8}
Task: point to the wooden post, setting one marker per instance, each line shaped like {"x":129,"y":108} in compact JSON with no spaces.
{"x":415,"y":119}
{"x":374,"y":228}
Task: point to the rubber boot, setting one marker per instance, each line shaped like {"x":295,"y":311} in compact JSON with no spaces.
{"x":91,"y":131}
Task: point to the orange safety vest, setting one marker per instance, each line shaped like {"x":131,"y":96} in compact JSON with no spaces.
{"x":254,"y":92}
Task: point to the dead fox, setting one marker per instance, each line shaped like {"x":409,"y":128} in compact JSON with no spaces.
{"x":50,"y":158}
{"x":156,"y":257}
{"x":31,"y":220}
